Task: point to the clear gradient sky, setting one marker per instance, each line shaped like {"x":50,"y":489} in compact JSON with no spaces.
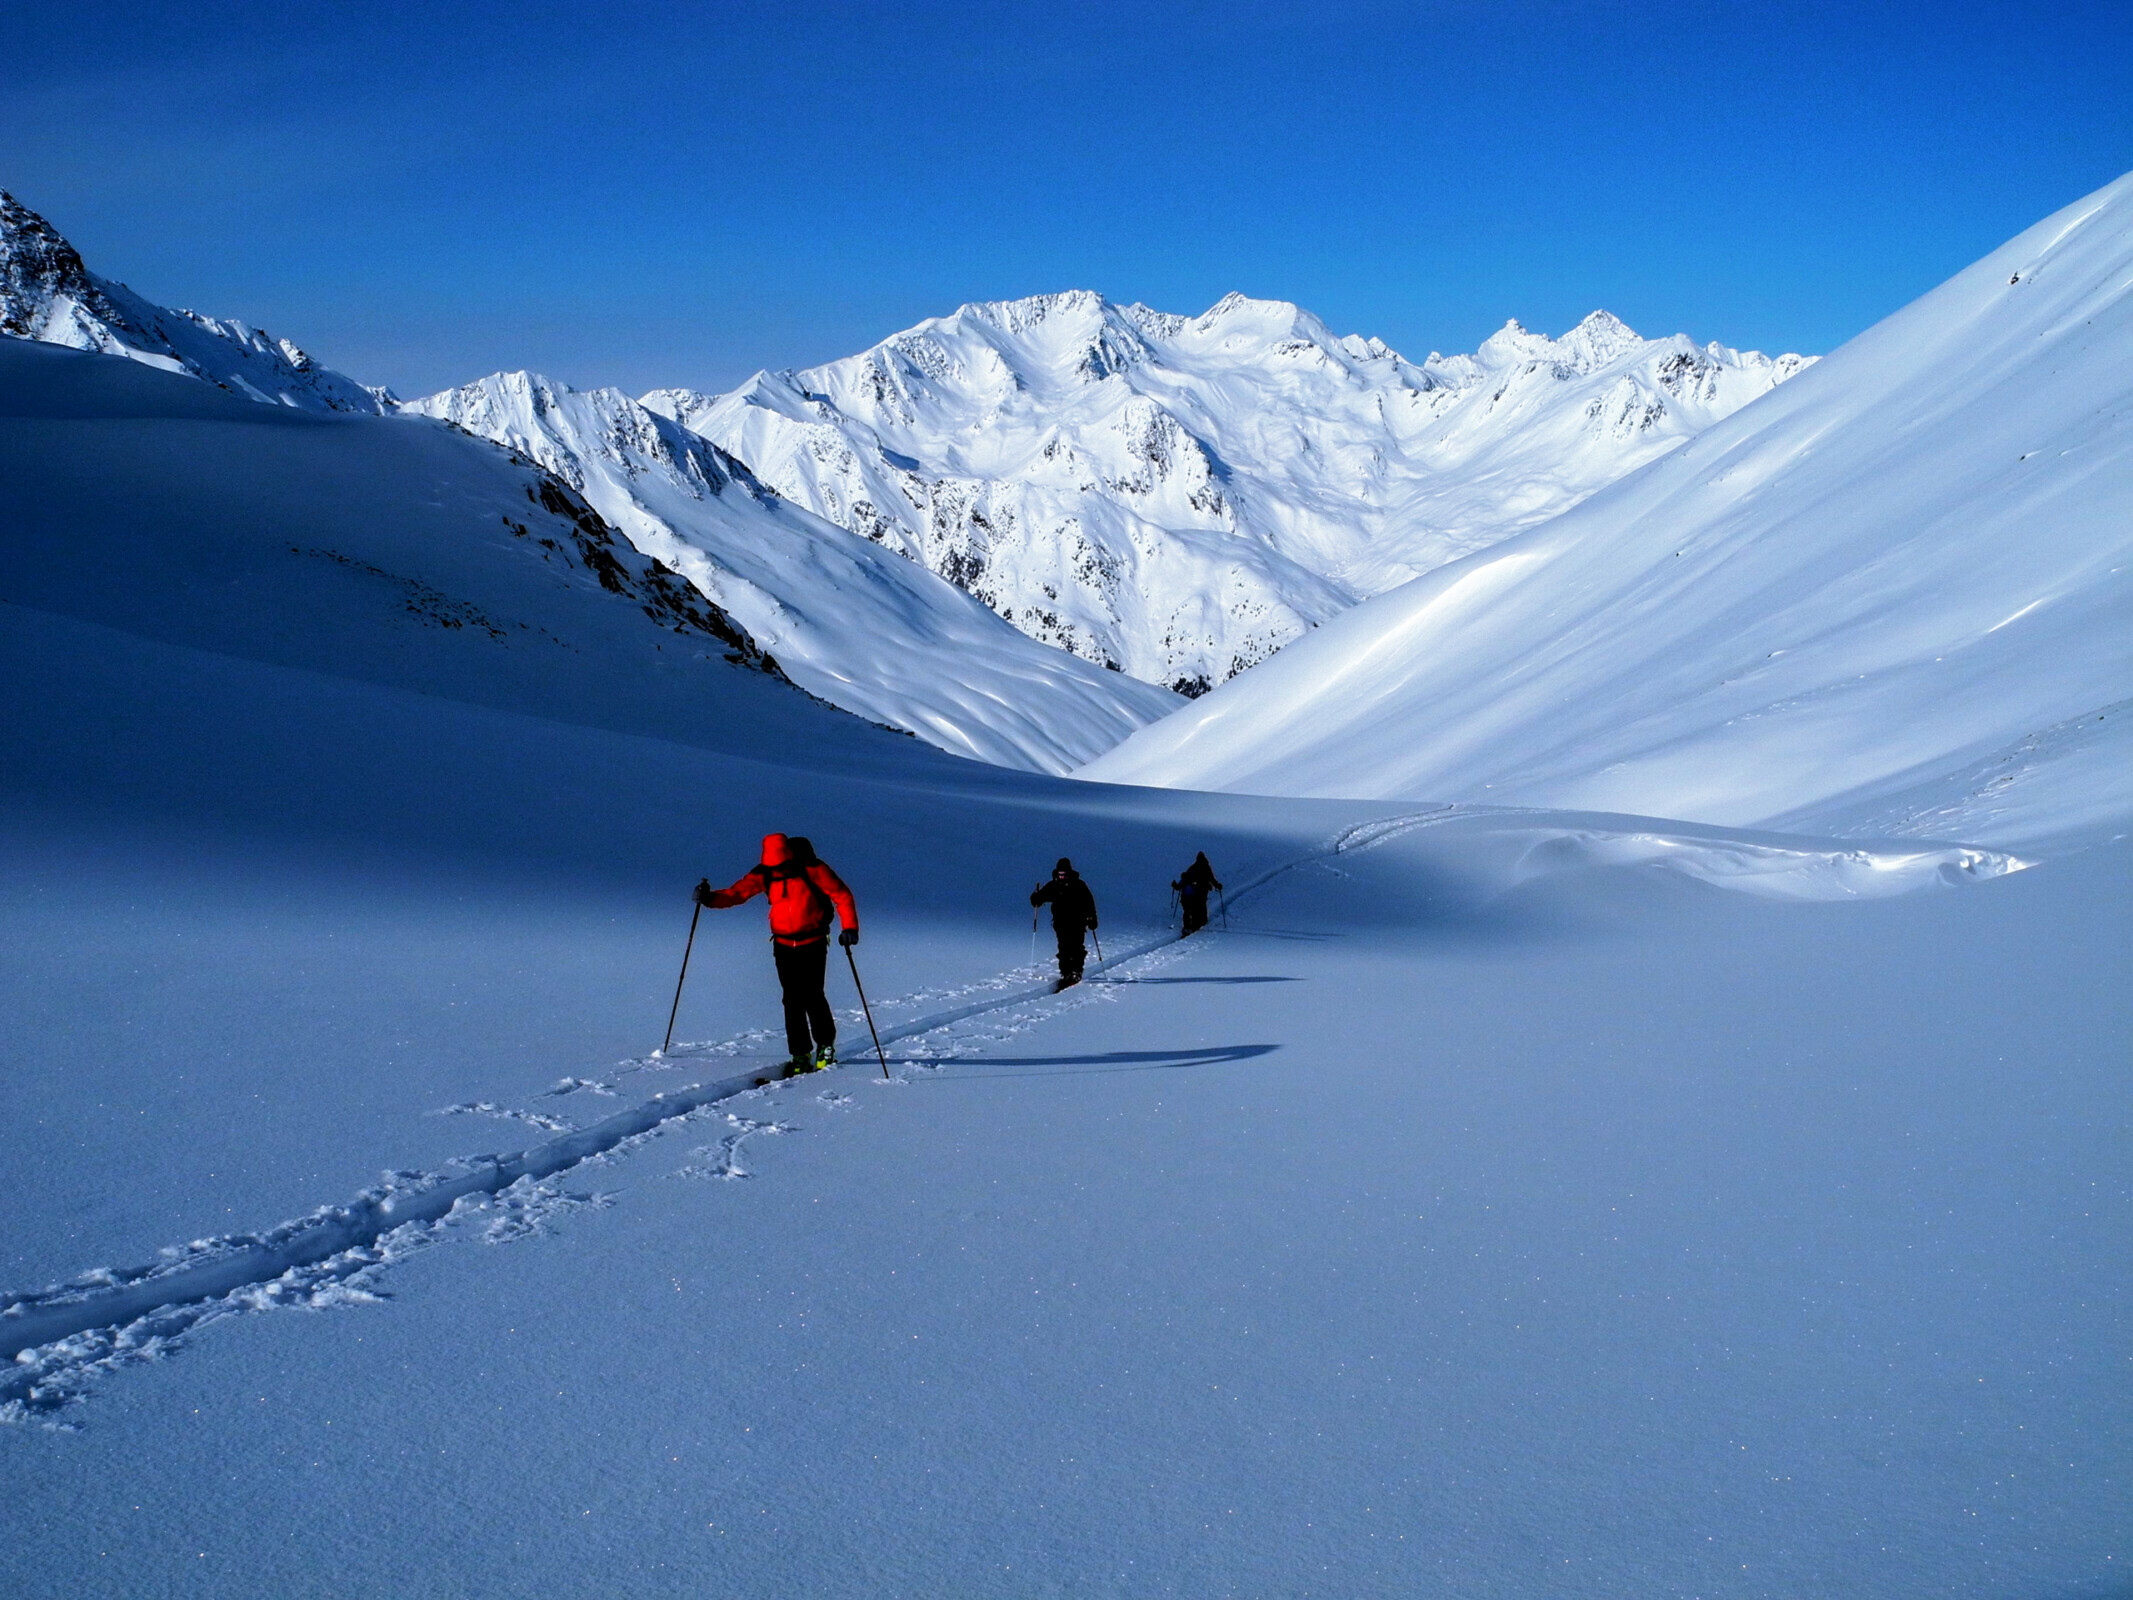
{"x":666,"y":193}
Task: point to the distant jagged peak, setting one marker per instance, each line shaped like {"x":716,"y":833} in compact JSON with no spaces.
{"x":1065,"y":458}
{"x":1600,"y":339}
{"x":978,"y":355}
{"x":1370,"y":349}
{"x":1237,"y":305}
{"x":987,"y":350}
{"x":562,"y":428}
{"x":48,"y":294}
{"x":1154,"y":324}
{"x":1240,"y":317}
{"x":1029,"y":312}
{"x":682,"y":404}
{"x":1514,"y":344}
{"x":782,"y":392}
{"x":38,"y":269}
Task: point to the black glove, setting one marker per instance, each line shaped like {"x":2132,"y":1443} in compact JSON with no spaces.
{"x":702,"y":894}
{"x":848,"y":938}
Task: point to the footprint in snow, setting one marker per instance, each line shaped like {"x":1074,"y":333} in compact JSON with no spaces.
{"x":489,"y":1108}
{"x":723,"y":1160}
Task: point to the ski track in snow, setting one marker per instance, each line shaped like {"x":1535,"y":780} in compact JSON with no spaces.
{"x":61,"y":1341}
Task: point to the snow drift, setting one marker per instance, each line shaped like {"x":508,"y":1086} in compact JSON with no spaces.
{"x":1891,"y":596}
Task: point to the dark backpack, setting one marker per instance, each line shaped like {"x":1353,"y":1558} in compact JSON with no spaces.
{"x":795,"y":872}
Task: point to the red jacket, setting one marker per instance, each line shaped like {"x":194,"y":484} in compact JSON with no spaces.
{"x":801,"y":894}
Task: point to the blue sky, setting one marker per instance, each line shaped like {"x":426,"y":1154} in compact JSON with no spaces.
{"x":678,"y":194}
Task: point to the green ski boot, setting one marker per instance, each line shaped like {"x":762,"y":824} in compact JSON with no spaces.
{"x":825,"y":1057}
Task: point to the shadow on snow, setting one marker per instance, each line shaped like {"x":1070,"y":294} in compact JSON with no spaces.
{"x":1109,"y":1061}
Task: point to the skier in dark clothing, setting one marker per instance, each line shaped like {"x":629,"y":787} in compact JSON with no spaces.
{"x":1073,"y":912}
{"x":802,"y":891}
{"x":1192,"y":886}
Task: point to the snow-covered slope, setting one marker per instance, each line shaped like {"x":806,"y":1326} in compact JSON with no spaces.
{"x":385,"y":550}
{"x":47,"y":294}
{"x":1183,"y":496}
{"x":848,"y":620}
{"x":1897,"y":593}
{"x":856,"y":625}
{"x":1478,"y":1199}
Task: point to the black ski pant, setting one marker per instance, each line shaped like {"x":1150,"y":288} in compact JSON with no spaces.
{"x":1195,"y":909}
{"x":1073,"y":953}
{"x":801,"y":969}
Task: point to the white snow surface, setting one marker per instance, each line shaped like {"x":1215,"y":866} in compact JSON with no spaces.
{"x":49,"y":295}
{"x":1491,"y":1204}
{"x":846,"y":619}
{"x":1183,"y":496}
{"x":1895,"y":595}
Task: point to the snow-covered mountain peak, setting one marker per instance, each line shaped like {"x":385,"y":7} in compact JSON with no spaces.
{"x":1598,"y":341}
{"x":853,"y":623}
{"x":562,"y":428}
{"x":47,"y":293}
{"x":39,"y":271}
{"x":1241,"y":317}
{"x":1071,"y":306}
{"x":1180,"y":496}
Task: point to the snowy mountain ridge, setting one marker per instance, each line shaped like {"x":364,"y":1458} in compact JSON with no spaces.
{"x":1173,"y":498}
{"x":855,"y":625}
{"x":1891,"y":599}
{"x":1182,"y":496}
{"x":847,"y":620}
{"x":48,"y":294}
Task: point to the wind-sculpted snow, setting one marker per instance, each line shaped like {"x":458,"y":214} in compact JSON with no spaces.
{"x":59,"y":1342}
{"x":1183,"y":496}
{"x":848,"y":620}
{"x":1894,"y":596}
{"x":48,"y":294}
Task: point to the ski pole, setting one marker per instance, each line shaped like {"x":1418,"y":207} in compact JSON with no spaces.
{"x":1099,"y":946}
{"x":1225,"y":906}
{"x":1033,"y":938}
{"x":853,"y":962}
{"x":675,"y":1009}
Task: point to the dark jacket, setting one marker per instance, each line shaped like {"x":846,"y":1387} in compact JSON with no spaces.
{"x":1197,"y":879}
{"x":1073,"y":907}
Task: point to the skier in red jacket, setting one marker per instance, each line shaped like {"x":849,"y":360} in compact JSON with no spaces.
{"x":802,"y":890}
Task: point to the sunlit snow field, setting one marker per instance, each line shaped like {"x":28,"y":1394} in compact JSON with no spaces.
{"x":1427,"y":1230}
{"x":1497,"y":1201}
